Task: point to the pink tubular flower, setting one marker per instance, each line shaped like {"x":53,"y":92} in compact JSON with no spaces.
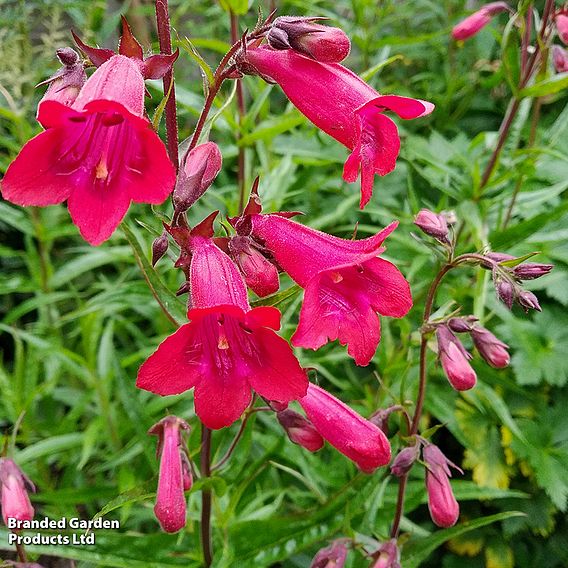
{"x":14,"y":492}
{"x":562,"y":26}
{"x":226,"y":349}
{"x":259,"y":273}
{"x":493,"y":350}
{"x":198,"y":170}
{"x":175,"y":478}
{"x":345,"y":284}
{"x":454,"y":359}
{"x":332,"y":556}
{"x":478,"y":20}
{"x":341,"y":104}
{"x":348,"y":432}
{"x":444,"y":509}
{"x":99,"y":154}
{"x":299,"y":430}
{"x":306,"y":36}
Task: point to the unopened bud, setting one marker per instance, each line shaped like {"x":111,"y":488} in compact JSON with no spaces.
{"x":405,"y":459}
{"x":260,"y":275}
{"x":506,"y":292}
{"x":300,"y":430}
{"x":432,"y":224}
{"x":478,"y":20}
{"x":529,"y":301}
{"x":159,"y":247}
{"x":322,"y":43}
{"x":197,"y":172}
{"x":493,"y":350}
{"x":560,"y":58}
{"x":562,"y":26}
{"x":461,"y":325}
{"x":184,"y":288}
{"x":455,"y":360}
{"x":531,"y":270}
{"x":332,"y":556}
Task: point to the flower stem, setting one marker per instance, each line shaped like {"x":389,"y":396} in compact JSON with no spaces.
{"x":164,"y":36}
{"x":21,"y":552}
{"x":241,"y":111}
{"x":205,"y":466}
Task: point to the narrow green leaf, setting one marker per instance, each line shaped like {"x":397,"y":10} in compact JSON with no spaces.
{"x":549,"y":86}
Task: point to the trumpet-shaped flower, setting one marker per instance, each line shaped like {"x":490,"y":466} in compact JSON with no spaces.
{"x":455,"y":360}
{"x":99,"y":154}
{"x":14,"y":492}
{"x":226,"y":349}
{"x":346,"y":430}
{"x":342,"y":105}
{"x":478,"y":20}
{"x":345,"y":284}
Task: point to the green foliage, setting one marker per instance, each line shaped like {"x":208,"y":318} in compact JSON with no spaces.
{"x":76,"y":322}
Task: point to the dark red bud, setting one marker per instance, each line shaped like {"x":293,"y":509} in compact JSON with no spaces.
{"x":529,"y":301}
{"x":461,"y":325}
{"x":506,"y":292}
{"x":300,"y":430}
{"x":405,"y":459}
{"x":159,"y":247}
{"x":531,"y":270}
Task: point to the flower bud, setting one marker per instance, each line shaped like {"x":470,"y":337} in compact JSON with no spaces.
{"x":14,"y":494}
{"x":506,"y":292}
{"x":461,"y":325}
{"x":348,"y":432}
{"x":490,"y":348}
{"x":65,"y":84}
{"x":259,"y":273}
{"x":560,"y":58}
{"x":405,"y":459}
{"x":380,"y":417}
{"x":444,"y":508}
{"x":478,"y":20}
{"x":332,"y":556}
{"x":322,"y":43}
{"x":454,"y":359}
{"x":499,"y":256}
{"x":529,"y":301}
{"x":300,"y":430}
{"x":562,"y":26}
{"x":197,"y":172}
{"x":432,"y":224}
{"x":175,"y":473}
{"x":159,"y":247}
{"x":531,"y":270}
{"x":388,"y":556}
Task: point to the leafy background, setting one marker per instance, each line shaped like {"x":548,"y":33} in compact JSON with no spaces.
{"x":76,"y":322}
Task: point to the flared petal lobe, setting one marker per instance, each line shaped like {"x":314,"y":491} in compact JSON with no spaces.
{"x":99,"y":155}
{"x":358,"y":439}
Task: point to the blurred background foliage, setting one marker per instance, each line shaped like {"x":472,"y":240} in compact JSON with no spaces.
{"x":76,"y":322}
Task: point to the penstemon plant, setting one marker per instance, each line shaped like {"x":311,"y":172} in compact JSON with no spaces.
{"x":99,"y":152}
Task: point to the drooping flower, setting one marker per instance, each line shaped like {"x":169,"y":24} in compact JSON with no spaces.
{"x":304,"y":35}
{"x":226,"y":349}
{"x":99,"y":154}
{"x":388,"y":555}
{"x":455,"y":360}
{"x":493,"y":350}
{"x":175,"y":474}
{"x":478,"y":20}
{"x":346,"y":430}
{"x":341,"y":104}
{"x":332,"y":556}
{"x":444,"y":509}
{"x":14,"y":492}
{"x":345,"y":284}
{"x":300,"y":430}
{"x":198,"y":170}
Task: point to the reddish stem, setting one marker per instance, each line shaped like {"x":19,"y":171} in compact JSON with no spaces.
{"x":164,"y":36}
{"x":205,"y":467}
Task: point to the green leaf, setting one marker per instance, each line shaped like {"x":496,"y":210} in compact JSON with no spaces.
{"x":516,"y":261}
{"x":191,"y":50}
{"x":238,"y":7}
{"x":549,"y":86}
{"x":418,"y":550}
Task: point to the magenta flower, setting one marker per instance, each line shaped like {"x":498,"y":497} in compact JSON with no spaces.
{"x":478,"y":20}
{"x":14,"y":492}
{"x":99,"y":154}
{"x":388,"y":555}
{"x":444,"y":509}
{"x":306,"y":36}
{"x":455,"y":360}
{"x":493,"y":350}
{"x":226,"y":349}
{"x":300,"y":430}
{"x":332,"y":556}
{"x":560,"y":59}
{"x":341,"y":104}
{"x":175,"y":474}
{"x":348,"y":432}
{"x":345,"y":284}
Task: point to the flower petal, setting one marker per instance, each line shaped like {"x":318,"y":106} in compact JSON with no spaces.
{"x":405,"y":107}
